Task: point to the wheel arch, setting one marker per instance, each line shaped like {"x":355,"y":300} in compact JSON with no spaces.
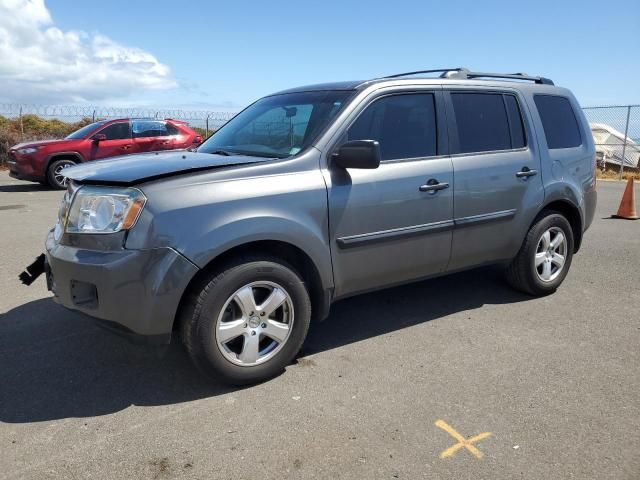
{"x":75,"y":156}
{"x":572,"y":213}
{"x":293,"y":255}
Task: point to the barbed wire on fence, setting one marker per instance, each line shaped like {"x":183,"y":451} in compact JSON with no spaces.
{"x":96,"y":112}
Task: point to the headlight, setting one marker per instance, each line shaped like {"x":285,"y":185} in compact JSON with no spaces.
{"x":28,"y":150}
{"x":104,"y":209}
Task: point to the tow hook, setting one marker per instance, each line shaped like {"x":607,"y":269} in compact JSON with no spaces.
{"x":33,"y":271}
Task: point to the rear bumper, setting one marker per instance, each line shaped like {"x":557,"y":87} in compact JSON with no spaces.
{"x":135,"y":292}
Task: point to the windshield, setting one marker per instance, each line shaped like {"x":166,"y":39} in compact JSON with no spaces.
{"x":84,"y":131}
{"x":278,"y":126}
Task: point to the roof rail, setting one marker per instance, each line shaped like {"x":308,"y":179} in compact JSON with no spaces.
{"x":464,"y":73}
{"x":511,"y":76}
{"x":443,"y":71}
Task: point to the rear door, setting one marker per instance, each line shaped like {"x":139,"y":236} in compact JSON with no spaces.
{"x":496,"y":165}
{"x":385,"y":228}
{"x":118,"y":141}
{"x":152,"y":135}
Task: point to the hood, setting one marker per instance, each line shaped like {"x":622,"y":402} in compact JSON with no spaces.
{"x":131,"y":169}
{"x":37,"y":143}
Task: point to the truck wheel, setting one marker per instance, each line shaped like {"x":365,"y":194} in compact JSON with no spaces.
{"x":246,"y":321}
{"x":54,"y":173}
{"x":545,"y":256}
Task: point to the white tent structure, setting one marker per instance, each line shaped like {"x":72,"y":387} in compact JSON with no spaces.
{"x":610,"y":144}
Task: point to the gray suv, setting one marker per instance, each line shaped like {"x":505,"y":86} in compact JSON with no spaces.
{"x":319,"y":193}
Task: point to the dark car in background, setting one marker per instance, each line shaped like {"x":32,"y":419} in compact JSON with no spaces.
{"x":43,"y":161}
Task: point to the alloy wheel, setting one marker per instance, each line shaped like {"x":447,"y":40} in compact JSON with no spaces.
{"x":255,"y":323}
{"x":58,"y":176}
{"x":551,"y":254}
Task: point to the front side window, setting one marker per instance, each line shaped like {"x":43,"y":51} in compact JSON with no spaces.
{"x":559,"y":121}
{"x":149,"y":128}
{"x":404,"y":125}
{"x":117,"y":131}
{"x":278,"y":126}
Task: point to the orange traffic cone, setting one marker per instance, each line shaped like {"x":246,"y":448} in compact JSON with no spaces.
{"x":627,"y":208}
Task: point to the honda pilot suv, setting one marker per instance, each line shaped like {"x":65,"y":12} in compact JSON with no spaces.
{"x":319,"y":193}
{"x":44,"y":161}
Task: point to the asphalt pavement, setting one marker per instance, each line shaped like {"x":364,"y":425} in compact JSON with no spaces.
{"x":453,"y":378}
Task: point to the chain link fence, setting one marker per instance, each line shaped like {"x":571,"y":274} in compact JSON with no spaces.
{"x":616,"y":129}
{"x":616,"y":133}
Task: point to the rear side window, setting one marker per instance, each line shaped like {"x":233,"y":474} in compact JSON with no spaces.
{"x":172,"y":130}
{"x":117,"y":131}
{"x":404,"y":125}
{"x":149,"y":128}
{"x":559,"y":121}
{"x":482,"y":122}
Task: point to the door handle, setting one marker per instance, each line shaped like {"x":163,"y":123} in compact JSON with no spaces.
{"x":125,"y":147}
{"x":526,"y":172}
{"x":433,"y":186}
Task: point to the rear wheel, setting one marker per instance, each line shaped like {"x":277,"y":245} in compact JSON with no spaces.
{"x":55,"y":176}
{"x":545,"y":256}
{"x":247,"y":321}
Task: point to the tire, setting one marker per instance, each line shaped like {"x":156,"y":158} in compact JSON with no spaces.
{"x":536,"y":269}
{"x":213,"y":305}
{"x":53,"y":178}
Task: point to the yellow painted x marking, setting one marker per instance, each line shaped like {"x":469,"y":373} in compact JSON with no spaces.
{"x":462,"y":442}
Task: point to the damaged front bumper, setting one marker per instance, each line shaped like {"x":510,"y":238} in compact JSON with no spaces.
{"x":134,"y":291}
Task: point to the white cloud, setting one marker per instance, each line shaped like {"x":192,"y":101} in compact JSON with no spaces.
{"x":41,"y":63}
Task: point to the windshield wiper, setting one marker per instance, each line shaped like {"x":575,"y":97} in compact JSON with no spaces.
{"x":268,"y":155}
{"x":222,"y":152}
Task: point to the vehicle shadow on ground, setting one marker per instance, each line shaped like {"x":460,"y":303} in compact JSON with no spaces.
{"x":378,"y":313}
{"x":57,"y":364}
{"x":25,"y":187}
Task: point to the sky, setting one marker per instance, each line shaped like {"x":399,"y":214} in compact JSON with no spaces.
{"x":209,"y":55}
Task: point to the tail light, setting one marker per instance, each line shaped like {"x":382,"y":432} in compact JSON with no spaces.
{"x":197,"y":139}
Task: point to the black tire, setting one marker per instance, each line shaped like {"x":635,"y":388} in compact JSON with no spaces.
{"x":53,"y":179}
{"x":522,"y":273}
{"x":200,"y":313}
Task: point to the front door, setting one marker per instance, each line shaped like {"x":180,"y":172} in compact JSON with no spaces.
{"x":391,"y":225}
{"x":118,"y":142}
{"x":498,"y":186}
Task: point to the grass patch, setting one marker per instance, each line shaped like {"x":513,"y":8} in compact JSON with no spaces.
{"x":611,"y":174}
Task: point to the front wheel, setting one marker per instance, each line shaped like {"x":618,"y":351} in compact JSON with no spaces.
{"x":247,"y":321}
{"x":545,"y":256}
{"x":55,"y":177}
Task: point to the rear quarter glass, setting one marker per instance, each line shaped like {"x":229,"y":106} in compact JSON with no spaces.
{"x":559,"y":121}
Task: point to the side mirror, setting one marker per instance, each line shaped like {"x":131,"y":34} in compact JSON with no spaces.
{"x":98,"y":137}
{"x":358,"y":154}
